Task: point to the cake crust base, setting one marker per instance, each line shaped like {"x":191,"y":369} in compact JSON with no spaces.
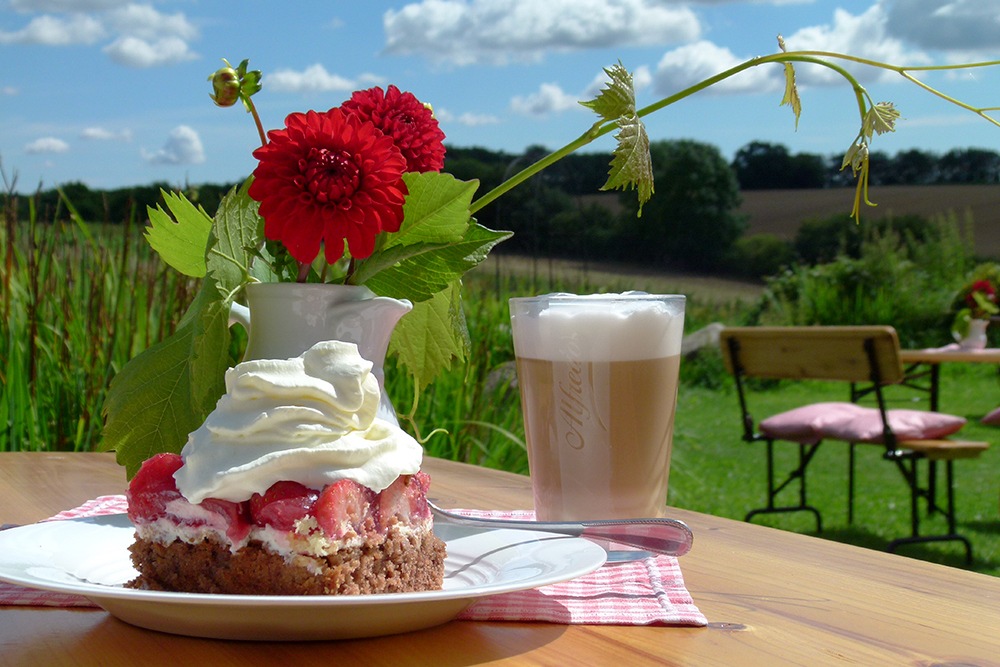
{"x":401,"y":562}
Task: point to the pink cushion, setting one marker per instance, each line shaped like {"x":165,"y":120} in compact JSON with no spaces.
{"x":808,"y":423}
{"x":993,"y":419}
{"x":906,"y":424}
{"x":855,"y":423}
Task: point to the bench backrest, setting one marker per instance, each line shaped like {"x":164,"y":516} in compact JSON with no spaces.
{"x":847,"y":353}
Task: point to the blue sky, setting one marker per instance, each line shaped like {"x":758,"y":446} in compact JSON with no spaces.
{"x":113,"y":93}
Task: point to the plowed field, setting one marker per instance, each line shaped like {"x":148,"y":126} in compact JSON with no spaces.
{"x":780,"y":212}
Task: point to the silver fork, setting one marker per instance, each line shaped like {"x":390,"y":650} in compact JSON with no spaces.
{"x":660,"y":536}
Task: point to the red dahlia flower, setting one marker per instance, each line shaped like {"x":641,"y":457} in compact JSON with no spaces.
{"x":982,"y":286}
{"x":326,"y":178}
{"x":410,"y":124}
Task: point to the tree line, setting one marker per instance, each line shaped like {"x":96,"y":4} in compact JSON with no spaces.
{"x":765,"y":166}
{"x":757,"y":166}
{"x":692,"y":221}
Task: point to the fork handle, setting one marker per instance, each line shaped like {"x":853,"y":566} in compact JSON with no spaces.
{"x":662,"y":536}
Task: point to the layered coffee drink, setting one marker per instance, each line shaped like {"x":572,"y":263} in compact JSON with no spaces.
{"x":598,"y":381}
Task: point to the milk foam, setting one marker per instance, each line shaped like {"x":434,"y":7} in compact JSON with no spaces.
{"x":600,"y":327}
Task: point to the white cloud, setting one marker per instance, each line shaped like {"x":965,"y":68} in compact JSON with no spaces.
{"x":550,"y":98}
{"x":103,"y":134}
{"x":136,"y":52}
{"x":57,"y":31}
{"x":477,"y":119}
{"x":947,"y":120}
{"x":65,"y":5}
{"x":8,"y":91}
{"x":183,"y":147}
{"x":146,"y":23}
{"x":313,"y":79}
{"x":864,"y":36}
{"x":468,"y":119}
{"x":642,"y":78}
{"x":692,"y":63}
{"x":463,"y":32}
{"x":141,"y":36}
{"x":47,"y":145}
{"x":951,"y":25}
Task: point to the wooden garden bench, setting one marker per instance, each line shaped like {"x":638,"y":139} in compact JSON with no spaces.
{"x":858,"y":355}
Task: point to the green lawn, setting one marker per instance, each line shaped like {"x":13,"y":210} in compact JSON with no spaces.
{"x":714,"y":471}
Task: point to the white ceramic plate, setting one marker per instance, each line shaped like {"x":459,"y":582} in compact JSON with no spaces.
{"x":89,"y":557}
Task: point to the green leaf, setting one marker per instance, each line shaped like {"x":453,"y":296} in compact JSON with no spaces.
{"x":432,"y":336}
{"x":984,"y":303}
{"x":167,"y":391}
{"x":236,"y":232}
{"x":151,"y":405}
{"x":436,"y":210}
{"x":631,"y":166}
{"x":879,"y":119}
{"x":180,"y":237}
{"x":416,"y":272}
{"x":424,"y":262}
{"x":437,"y":242}
{"x":791,"y":97}
{"x":617,"y":98}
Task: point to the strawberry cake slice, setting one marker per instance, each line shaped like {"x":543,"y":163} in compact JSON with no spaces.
{"x":290,"y":540}
{"x":292,"y":486}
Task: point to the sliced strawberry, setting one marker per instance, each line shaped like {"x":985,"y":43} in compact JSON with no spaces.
{"x":392,"y":502}
{"x":236,"y":516}
{"x":423,"y":480}
{"x":282,"y":505}
{"x":405,"y":500}
{"x":153,"y":487}
{"x":345,"y":508}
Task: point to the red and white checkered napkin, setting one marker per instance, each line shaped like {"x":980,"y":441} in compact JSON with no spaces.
{"x":643,"y":592}
{"x":12,"y":594}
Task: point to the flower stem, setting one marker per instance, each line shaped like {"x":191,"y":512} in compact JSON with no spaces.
{"x":252,"y":108}
{"x":351,"y":267}
{"x":303,"y":272}
{"x":602,"y":128}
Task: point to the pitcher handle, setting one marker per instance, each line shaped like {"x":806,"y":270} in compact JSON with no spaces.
{"x":239,"y":314}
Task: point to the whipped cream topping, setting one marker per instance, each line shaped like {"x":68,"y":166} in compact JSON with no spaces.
{"x":310,"y":419}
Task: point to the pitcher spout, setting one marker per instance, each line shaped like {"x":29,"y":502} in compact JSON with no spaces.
{"x":369,"y":323}
{"x":285,"y":319}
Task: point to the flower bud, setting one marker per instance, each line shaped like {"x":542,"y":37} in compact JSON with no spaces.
{"x":226,"y":84}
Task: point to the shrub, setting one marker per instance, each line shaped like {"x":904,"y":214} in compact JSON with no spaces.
{"x":896,"y":280}
{"x":819,"y":241}
{"x":761,"y":255}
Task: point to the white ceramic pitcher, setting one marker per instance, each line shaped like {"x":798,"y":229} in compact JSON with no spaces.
{"x":284,"y":320}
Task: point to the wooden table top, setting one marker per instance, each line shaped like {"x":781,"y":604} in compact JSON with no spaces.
{"x":944,"y":355}
{"x":771,"y":598}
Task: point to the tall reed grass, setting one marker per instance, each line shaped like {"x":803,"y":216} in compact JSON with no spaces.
{"x":78,"y":301}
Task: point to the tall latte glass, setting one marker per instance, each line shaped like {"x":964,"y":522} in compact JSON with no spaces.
{"x":598,"y":382}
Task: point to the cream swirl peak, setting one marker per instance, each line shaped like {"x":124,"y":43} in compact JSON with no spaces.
{"x":310,"y":419}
